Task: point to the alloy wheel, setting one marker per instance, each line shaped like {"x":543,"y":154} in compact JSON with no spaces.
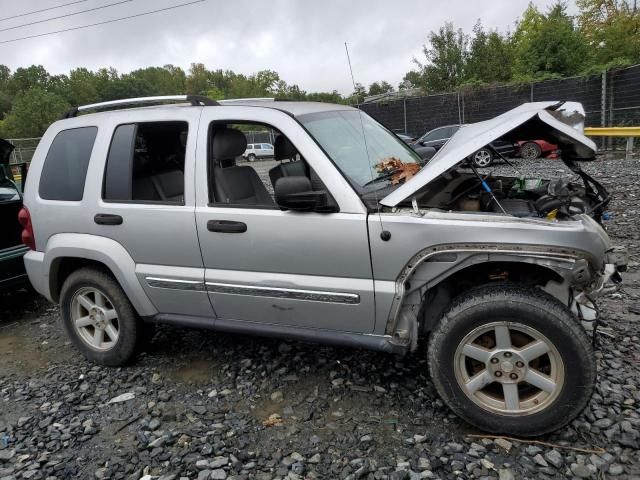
{"x":95,"y":319}
{"x":482,"y":158}
{"x":509,"y":368}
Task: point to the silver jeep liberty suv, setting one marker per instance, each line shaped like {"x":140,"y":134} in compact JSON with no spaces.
{"x":144,"y":212}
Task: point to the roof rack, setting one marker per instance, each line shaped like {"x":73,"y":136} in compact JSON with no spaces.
{"x":248,"y":100}
{"x":195,"y":100}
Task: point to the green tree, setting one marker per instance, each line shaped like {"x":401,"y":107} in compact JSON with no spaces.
{"x":612,"y":31}
{"x":127,"y":87}
{"x":5,"y":98}
{"x":32,"y":113}
{"x":82,"y":87}
{"x":167,"y":80}
{"x":197,"y":82}
{"x":548,"y":45}
{"x":445,"y":59}
{"x":378,"y":88}
{"x":24,"y":79}
{"x":490,"y":57}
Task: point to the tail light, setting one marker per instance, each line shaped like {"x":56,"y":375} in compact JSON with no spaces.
{"x":28,"y":237}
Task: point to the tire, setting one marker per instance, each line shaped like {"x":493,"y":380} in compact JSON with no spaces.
{"x":530,"y":151}
{"x":81,"y":306}
{"x":482,"y":158}
{"x":528,"y":313}
{"x":251,"y":157}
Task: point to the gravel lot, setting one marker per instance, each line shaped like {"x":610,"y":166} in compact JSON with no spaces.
{"x":204,"y":405}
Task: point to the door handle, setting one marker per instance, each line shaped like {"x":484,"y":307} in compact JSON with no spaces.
{"x":107,"y":219}
{"x":226,"y":226}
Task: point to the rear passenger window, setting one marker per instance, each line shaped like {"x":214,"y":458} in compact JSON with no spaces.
{"x":146,"y":163}
{"x":65,"y":167}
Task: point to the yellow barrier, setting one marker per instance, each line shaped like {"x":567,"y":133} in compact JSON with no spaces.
{"x":628,"y":132}
{"x":612,"y":131}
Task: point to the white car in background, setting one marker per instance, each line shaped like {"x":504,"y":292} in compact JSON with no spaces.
{"x":258,"y":150}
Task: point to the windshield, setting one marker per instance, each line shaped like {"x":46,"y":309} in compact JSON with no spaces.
{"x":369,"y":160}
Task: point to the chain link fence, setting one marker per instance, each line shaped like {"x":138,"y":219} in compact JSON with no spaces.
{"x":610,"y":99}
{"x":24,"y":149}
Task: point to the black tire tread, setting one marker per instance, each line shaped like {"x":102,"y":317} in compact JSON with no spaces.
{"x":534,"y":297}
{"x":127,"y":345}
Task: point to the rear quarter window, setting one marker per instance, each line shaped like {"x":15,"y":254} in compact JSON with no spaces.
{"x":65,"y":166}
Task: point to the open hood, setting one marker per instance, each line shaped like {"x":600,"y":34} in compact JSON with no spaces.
{"x":561,"y":123}
{"x":5,"y":151}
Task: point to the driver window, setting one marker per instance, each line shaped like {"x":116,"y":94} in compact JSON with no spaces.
{"x":239,"y":178}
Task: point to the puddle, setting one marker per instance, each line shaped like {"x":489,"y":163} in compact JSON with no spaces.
{"x":196,"y":372}
{"x":20,"y":354}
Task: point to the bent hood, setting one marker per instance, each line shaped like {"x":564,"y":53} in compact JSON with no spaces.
{"x":556,"y":122}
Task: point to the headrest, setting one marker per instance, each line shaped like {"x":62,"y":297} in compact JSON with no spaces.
{"x":283,"y":149}
{"x":228,"y":143}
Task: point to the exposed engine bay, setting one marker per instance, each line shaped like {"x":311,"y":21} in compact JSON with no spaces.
{"x":560,"y":198}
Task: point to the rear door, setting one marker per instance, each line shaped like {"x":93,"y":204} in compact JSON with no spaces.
{"x":147,"y":204}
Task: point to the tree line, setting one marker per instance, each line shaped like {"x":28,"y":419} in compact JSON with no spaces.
{"x":543,"y":45}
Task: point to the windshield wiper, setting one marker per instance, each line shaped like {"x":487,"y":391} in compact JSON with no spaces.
{"x":380,"y":178}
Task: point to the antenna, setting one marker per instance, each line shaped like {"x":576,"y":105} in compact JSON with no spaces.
{"x":384,"y":235}
{"x":353,"y":80}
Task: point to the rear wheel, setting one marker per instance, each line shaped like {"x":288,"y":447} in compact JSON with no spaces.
{"x":251,"y":157}
{"x":511,"y":359}
{"x":482,"y":158}
{"x":530,"y":151}
{"x":98,"y":317}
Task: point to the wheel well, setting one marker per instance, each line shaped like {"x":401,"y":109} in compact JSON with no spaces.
{"x":438,"y":298}
{"x":63,"y":267}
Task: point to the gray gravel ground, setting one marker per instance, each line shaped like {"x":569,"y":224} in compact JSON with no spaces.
{"x":201,"y":405}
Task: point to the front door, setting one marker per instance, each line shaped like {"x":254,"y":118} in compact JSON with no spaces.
{"x":265,"y":265}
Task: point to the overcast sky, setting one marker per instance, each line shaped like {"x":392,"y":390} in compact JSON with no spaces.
{"x":303,"y":40}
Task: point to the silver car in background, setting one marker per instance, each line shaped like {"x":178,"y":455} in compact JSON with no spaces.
{"x":256,"y":151}
{"x":143,"y":216}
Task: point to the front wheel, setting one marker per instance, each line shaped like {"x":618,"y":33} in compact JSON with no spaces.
{"x":482,"y":158}
{"x":512,"y":359}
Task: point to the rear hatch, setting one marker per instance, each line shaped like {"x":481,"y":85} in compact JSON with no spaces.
{"x":10,"y":201}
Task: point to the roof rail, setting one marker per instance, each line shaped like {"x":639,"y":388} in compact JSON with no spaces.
{"x":248,"y":100}
{"x":195,"y":100}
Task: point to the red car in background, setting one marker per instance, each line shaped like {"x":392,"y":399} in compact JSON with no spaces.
{"x":532,"y":149}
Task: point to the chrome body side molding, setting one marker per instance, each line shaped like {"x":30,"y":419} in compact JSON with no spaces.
{"x":175,"y":283}
{"x":254,"y":290}
{"x":277,"y":292}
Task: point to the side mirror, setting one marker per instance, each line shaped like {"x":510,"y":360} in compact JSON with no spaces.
{"x":296,"y":193}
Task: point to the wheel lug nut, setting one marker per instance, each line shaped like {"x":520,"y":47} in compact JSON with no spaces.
{"x":507,"y":354}
{"x":498,"y":373}
{"x":513,"y":376}
{"x":494,"y":360}
{"x":519,"y":364}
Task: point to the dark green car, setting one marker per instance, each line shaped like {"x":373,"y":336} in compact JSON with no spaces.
{"x":12,"y":272}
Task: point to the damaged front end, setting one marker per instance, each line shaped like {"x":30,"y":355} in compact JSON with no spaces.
{"x":588,"y":288}
{"x":443,"y":185}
